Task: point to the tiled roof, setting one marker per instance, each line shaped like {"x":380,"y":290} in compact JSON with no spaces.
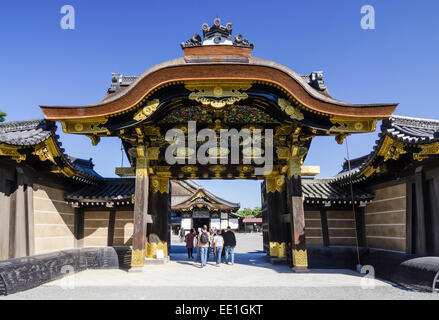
{"x":410,"y":131}
{"x":28,"y":133}
{"x":111,"y":189}
{"x":211,"y":200}
{"x":321,"y":189}
{"x":122,"y":190}
{"x":25,"y":133}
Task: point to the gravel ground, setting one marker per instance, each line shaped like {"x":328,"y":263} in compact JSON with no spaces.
{"x":251,"y":277}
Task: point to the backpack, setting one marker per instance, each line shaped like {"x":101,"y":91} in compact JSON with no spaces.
{"x":204,"y":238}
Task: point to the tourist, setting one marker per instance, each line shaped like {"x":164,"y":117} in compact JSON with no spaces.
{"x":218,"y":242}
{"x":182,"y":232}
{"x":190,"y":243}
{"x":203,"y":244}
{"x":229,"y":245}
{"x":211,"y":246}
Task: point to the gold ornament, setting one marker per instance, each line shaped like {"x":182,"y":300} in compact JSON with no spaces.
{"x":300,"y":258}
{"x":137,"y":258}
{"x":292,"y":112}
{"x":146,"y":111}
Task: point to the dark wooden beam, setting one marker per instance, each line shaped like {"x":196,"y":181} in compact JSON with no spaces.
{"x":79,"y":227}
{"x":410,"y":211}
{"x":360,"y":226}
{"x":111,"y":226}
{"x":421,"y":246}
{"x":325,"y":230}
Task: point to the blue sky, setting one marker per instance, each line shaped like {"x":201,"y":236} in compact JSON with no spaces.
{"x":41,"y":64}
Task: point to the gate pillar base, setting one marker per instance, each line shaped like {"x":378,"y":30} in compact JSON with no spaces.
{"x":300,"y":270}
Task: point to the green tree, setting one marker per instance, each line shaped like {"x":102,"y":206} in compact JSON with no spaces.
{"x":2,"y":116}
{"x":249,"y":212}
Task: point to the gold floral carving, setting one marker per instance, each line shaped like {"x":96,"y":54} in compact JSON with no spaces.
{"x":137,"y":258}
{"x":146,"y":111}
{"x":275,"y":183}
{"x":153,"y":153}
{"x":283,"y":153}
{"x":218,"y":94}
{"x":192,"y":170}
{"x":294,"y":166}
{"x":274,"y":247}
{"x":426,"y":151}
{"x":159,"y":184}
{"x":217,"y":169}
{"x":300,"y":258}
{"x":291,"y":111}
{"x":245,"y":170}
{"x":12,"y":152}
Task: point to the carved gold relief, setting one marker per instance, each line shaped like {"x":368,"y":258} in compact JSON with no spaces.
{"x":245,"y":170}
{"x":12,"y":152}
{"x":137,"y":258}
{"x":274,"y":246}
{"x":125,"y":171}
{"x":217,"y":169}
{"x":218,"y":93}
{"x":294,"y":166}
{"x":275,"y":183}
{"x":84,"y":126}
{"x":426,"y":151}
{"x":159,"y":184}
{"x":189,"y":170}
{"x":146,"y":111}
{"x":345,"y":124}
{"x":283,"y":153}
{"x":153,"y":153}
{"x":300,"y":258}
{"x":291,"y":111}
{"x":282,"y":250}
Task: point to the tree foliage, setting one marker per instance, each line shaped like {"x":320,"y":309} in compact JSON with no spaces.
{"x":2,"y":116}
{"x":251,"y":212}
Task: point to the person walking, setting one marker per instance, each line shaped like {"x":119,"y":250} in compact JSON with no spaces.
{"x":190,"y":243}
{"x":229,"y":245}
{"x":211,"y":246}
{"x":182,"y":233}
{"x":218,"y":244}
{"x":203,"y":243}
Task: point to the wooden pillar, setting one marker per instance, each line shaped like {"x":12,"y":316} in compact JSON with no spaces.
{"x":295,"y":206}
{"x":159,"y":210}
{"x":276,"y":208}
{"x":325,"y":229}
{"x":79,"y":227}
{"x":111,"y":227}
{"x":140,"y":210}
{"x":420,"y":236}
{"x":360,"y":226}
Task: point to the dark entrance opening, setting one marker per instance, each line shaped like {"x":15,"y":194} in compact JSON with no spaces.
{"x":200,"y":222}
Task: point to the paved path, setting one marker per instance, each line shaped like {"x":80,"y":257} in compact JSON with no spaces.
{"x":250,"y":278}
